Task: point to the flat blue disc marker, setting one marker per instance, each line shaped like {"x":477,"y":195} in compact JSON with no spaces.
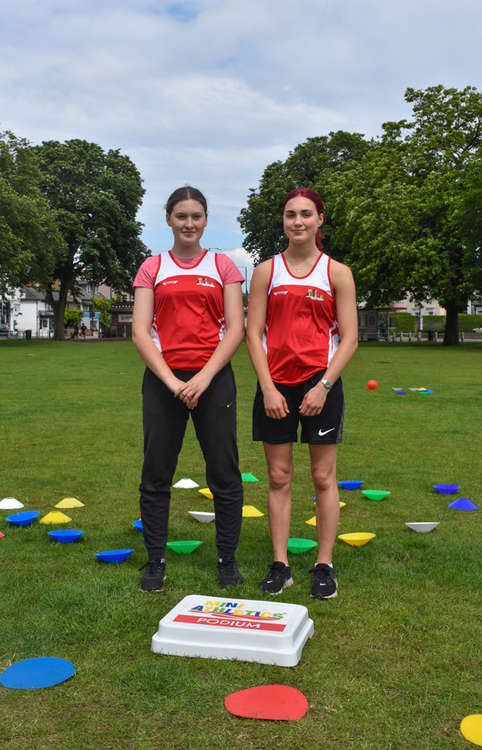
{"x":33,"y":674}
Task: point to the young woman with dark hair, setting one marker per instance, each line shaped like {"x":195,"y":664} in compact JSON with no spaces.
{"x":188,"y":322}
{"x":301,"y":334}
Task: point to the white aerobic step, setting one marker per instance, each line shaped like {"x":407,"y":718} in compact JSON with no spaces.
{"x":230,"y":628}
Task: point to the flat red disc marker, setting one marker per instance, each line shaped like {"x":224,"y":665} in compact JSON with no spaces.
{"x":276,"y":702}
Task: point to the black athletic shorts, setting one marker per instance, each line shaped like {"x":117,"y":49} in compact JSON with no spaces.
{"x":323,"y":429}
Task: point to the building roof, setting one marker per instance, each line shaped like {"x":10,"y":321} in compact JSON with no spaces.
{"x":32,"y":294}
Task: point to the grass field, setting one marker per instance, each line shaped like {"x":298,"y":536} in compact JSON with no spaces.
{"x":395,"y":659}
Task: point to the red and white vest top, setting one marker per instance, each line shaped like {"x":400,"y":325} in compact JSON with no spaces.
{"x":188,"y":319}
{"x":301,"y":333}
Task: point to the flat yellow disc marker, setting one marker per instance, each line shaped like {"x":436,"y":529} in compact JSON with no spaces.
{"x":357,"y":539}
{"x":207,"y":493}
{"x":471,"y":728}
{"x":311,"y":521}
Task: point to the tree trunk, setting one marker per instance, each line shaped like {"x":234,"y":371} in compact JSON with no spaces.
{"x":59,"y":327}
{"x":58,"y":306}
{"x":451,"y":333}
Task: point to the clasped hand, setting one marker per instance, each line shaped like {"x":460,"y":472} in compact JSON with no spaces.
{"x":190,"y":391}
{"x":313,"y":401}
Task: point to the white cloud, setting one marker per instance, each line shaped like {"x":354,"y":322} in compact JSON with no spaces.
{"x":211,"y":91}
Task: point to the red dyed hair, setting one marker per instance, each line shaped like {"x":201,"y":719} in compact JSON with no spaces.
{"x":313,"y":196}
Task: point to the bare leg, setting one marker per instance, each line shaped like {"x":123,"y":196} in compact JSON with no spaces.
{"x":280,"y":470}
{"x":323,"y":471}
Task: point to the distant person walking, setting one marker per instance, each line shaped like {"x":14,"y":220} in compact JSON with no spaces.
{"x":301,"y":334}
{"x":187,"y":324}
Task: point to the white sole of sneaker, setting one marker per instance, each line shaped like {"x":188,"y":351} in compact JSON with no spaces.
{"x":285,"y":585}
{"x":330,"y":596}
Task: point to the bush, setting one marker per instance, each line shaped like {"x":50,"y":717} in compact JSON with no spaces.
{"x":468,"y":322}
{"x":404,"y":322}
{"x":72,"y":318}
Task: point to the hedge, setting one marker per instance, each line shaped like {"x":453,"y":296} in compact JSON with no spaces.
{"x":404,"y":322}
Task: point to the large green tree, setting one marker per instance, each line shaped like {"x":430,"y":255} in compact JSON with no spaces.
{"x":95,"y":196}
{"x":27,"y":224}
{"x":313,"y":163}
{"x":409,"y":215}
{"x":443,"y":160}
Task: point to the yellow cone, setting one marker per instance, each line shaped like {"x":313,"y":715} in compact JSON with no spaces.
{"x":312,"y":521}
{"x":207,"y":493}
{"x":357,"y":539}
{"x":471,"y":728}
{"x":70,"y":502}
{"x":55,"y":517}
{"x":249,"y":511}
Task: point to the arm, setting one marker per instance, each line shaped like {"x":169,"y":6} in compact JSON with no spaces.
{"x":141,"y":337}
{"x":234,"y":320}
{"x":274,"y":402}
{"x":346,"y":313}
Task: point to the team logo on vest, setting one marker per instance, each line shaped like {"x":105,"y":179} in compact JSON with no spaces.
{"x":314,"y":294}
{"x":204,"y":281}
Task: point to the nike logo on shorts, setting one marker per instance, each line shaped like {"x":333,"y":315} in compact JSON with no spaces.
{"x":320,"y":433}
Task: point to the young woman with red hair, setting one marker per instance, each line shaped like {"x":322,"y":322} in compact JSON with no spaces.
{"x":301,"y":334}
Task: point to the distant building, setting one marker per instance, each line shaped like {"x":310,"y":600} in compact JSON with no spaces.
{"x":29,"y":311}
{"x":431,"y":307}
{"x":121,"y":317}
{"x":25,"y":308}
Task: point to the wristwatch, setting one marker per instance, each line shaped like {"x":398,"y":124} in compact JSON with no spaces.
{"x":327,"y":384}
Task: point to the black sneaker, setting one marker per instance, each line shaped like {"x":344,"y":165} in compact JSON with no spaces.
{"x":325,"y":585}
{"x":278,"y":578}
{"x":229,"y":574}
{"x":153,"y":578}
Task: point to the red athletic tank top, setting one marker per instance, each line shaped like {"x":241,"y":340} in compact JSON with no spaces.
{"x":301,"y":333}
{"x":188,"y":319}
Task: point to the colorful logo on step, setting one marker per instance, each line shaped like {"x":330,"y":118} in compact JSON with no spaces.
{"x":232,"y":615}
{"x":314,"y":294}
{"x":204,"y":281}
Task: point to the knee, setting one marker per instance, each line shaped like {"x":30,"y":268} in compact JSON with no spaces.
{"x":323,"y":479}
{"x":280,"y":477}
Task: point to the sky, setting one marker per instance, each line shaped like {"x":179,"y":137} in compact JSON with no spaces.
{"x":209,"y":92}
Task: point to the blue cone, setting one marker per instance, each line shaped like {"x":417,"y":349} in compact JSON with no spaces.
{"x":463,"y":503}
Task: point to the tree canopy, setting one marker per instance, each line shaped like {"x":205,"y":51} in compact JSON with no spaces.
{"x":27,"y":224}
{"x":95,"y":196}
{"x":409,"y":213}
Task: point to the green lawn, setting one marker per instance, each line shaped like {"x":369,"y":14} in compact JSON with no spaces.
{"x":395,"y":659}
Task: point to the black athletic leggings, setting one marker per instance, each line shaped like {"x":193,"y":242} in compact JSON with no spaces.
{"x":165,"y":419}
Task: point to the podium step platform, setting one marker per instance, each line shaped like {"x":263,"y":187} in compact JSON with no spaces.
{"x":268,"y":632}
